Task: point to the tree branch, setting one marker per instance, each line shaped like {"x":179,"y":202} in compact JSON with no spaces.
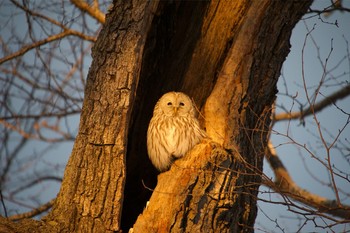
{"x":335,"y":6}
{"x":93,"y":10}
{"x":17,"y":129}
{"x":284,"y":184}
{"x":49,"y":39}
{"x":65,"y":32}
{"x":35,"y":182}
{"x":34,"y":212}
{"x":317,"y":107}
{"x":41,"y":115}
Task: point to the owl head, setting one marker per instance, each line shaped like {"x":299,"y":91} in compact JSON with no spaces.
{"x":174,"y":104}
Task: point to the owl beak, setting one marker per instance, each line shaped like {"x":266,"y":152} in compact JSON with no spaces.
{"x":175,"y":110}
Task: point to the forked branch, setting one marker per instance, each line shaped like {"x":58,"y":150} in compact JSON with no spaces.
{"x":34,"y":212}
{"x":338,"y":95}
{"x":92,"y":10}
{"x":285,"y":185}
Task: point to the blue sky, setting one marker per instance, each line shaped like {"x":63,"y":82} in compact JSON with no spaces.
{"x":330,"y":43}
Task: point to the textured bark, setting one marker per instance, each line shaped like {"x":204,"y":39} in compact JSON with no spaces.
{"x":91,"y":195}
{"x":214,"y":188}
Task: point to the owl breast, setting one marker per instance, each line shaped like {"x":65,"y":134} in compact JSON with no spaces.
{"x":172,"y":138}
{"x":177,"y":137}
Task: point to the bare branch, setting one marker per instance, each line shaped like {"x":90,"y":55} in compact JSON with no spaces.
{"x":49,"y":39}
{"x":34,"y":212}
{"x":65,"y":32}
{"x":335,"y":6}
{"x":93,"y":10}
{"x":3,"y":203}
{"x":316,"y":107}
{"x":35,"y":182}
{"x":284,"y":184}
{"x":45,"y":114}
{"x":17,"y":129}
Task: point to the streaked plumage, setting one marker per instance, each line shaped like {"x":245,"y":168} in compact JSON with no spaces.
{"x":173,"y":129}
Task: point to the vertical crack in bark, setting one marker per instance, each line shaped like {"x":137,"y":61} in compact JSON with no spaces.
{"x":227,"y":192}
{"x":187,"y":205}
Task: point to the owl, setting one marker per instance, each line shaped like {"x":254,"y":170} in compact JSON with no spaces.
{"x":173,"y":129}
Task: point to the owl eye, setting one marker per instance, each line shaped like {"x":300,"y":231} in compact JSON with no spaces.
{"x":169,"y":103}
{"x":182,"y":104}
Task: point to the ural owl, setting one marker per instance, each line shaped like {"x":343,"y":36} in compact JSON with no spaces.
{"x":173,"y":129}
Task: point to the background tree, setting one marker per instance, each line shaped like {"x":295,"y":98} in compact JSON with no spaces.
{"x":145,"y":50}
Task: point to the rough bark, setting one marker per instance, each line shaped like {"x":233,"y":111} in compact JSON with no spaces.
{"x":91,"y":195}
{"x":216,"y":191}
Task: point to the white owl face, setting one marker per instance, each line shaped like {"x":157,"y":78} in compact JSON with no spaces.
{"x":175,"y":104}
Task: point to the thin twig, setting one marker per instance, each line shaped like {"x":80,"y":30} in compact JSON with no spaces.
{"x":34,"y":212}
{"x":285,"y":185}
{"x":93,"y":10}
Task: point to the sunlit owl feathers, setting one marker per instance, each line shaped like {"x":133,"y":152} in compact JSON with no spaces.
{"x":173,"y":129}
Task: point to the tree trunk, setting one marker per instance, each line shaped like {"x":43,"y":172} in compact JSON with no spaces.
{"x":227,"y":55}
{"x":241,"y":48}
{"x":91,"y":196}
